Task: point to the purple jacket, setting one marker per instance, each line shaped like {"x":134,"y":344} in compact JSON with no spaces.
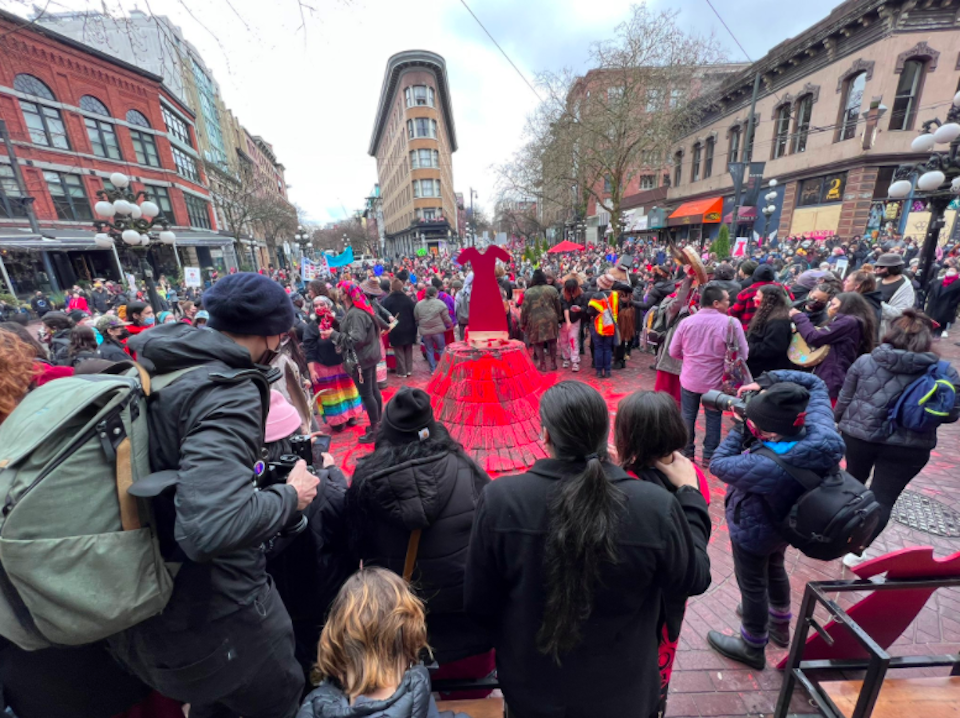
{"x":843,"y":335}
{"x":451,"y":305}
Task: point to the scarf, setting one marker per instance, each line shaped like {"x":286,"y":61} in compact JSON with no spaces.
{"x":950,"y":279}
{"x":323,"y":308}
{"x":356,"y":295}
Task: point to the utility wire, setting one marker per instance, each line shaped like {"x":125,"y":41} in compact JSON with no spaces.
{"x":502,"y":51}
{"x":722,"y":22}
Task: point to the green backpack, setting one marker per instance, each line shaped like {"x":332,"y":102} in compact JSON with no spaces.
{"x":79,"y":556}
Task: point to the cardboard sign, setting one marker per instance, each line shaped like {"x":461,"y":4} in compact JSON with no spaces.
{"x":841,"y":266}
{"x":740,"y":247}
{"x":191,"y":277}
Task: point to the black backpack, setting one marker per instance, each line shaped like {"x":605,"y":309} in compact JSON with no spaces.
{"x":835,"y":515}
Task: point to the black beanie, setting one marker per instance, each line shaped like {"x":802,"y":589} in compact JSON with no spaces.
{"x":406,"y":416}
{"x":249,"y":303}
{"x":764,"y":273}
{"x":781,"y":409}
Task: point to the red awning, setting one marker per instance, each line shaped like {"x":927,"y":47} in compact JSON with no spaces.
{"x":701,"y":211}
{"x":746,"y":214}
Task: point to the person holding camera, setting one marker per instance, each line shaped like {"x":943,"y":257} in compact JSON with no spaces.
{"x":791,"y":415}
{"x":224,"y":642}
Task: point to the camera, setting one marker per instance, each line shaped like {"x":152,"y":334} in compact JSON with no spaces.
{"x":728,"y":402}
{"x":276,"y":472}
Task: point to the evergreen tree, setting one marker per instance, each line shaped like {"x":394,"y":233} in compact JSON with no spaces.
{"x":721,"y":245}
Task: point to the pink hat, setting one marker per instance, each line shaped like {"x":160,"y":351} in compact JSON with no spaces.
{"x":282,"y":420}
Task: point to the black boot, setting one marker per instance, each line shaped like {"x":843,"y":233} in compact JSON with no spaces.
{"x":371,"y":434}
{"x":735,"y":648}
{"x":779,"y":633}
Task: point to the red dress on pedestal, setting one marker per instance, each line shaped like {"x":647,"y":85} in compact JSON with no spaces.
{"x":486,"y":301}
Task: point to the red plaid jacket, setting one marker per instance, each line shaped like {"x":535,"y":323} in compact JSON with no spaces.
{"x":744,"y":308}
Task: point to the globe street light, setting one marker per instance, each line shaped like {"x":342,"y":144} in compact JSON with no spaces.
{"x":938,"y":179}
{"x":769,"y":198}
{"x":129,"y":218}
{"x":302,"y":237}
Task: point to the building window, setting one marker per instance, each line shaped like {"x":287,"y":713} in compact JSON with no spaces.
{"x":426,"y":188}
{"x":10,"y":205}
{"x":428,"y":214}
{"x":103,"y":138}
{"x":137,"y":118}
{"x":145,"y":147}
{"x":853,"y":99}
{"x":781,"y":131}
{"x":44,"y":124}
{"x":207,"y":93}
{"x":677,"y":167}
{"x":654,"y":100}
{"x":648,"y":182}
{"x":89,"y":103}
{"x":614,"y":94}
{"x":607,"y":185}
{"x":419,"y":96}
{"x":175,"y":126}
{"x":421,"y":127}
{"x":69,"y":196}
{"x":161,"y":197}
{"x":708,"y":157}
{"x":650,"y":157}
{"x":908,"y":95}
{"x":197,"y":212}
{"x":186,"y":165}
{"x":802,"y":127}
{"x":748,"y":143}
{"x":695,"y":165}
{"x":424,"y":159}
{"x":675,"y":96}
{"x":734,"y":152}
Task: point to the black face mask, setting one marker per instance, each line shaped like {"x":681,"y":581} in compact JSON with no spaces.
{"x":816,"y":306}
{"x":270,"y":354}
{"x":124,"y":334}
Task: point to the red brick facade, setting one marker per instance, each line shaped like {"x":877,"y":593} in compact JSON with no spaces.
{"x":71,"y":71}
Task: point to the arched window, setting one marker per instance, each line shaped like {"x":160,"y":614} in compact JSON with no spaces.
{"x":748,"y":142}
{"x":92,"y":104}
{"x":30,"y":85}
{"x":137,"y":118}
{"x":801,"y":129}
{"x":853,"y":99}
{"x":103,"y":137}
{"x":733,"y":153}
{"x":44,"y":124}
{"x":695,"y":164}
{"x":908,"y":95}
{"x":708,"y":157}
{"x":781,"y":131}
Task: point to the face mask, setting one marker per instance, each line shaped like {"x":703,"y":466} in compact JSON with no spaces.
{"x":816,"y":306}
{"x":270,"y":354}
{"x":124,"y":333}
{"x":149,"y":321}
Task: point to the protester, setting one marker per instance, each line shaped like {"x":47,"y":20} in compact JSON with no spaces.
{"x":674,"y":309}
{"x":745,"y":307}
{"x":700,"y":343}
{"x":77,"y":301}
{"x":603,"y":310}
{"x":139,"y":316}
{"x":358,"y":342}
{"x":895,"y":289}
{"x":419,"y":480}
{"x":368,"y":660}
{"x":873,"y":384}
{"x":335,"y":393}
{"x":572,"y":304}
{"x":792,"y":417}
{"x":569,"y":564}
{"x":849,"y":332}
{"x":41,"y":305}
{"x":433,"y":320}
{"x":768,"y":337}
{"x":224,"y":622}
{"x":944,"y":300}
{"x":114,"y":333}
{"x":404,"y":335}
{"x":55,"y":332}
{"x":540,"y":317}
{"x":83,"y":346}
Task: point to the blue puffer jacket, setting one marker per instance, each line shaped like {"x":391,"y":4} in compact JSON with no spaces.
{"x":756,"y":485}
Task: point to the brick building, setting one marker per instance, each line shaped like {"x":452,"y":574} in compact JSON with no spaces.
{"x":75,"y":116}
{"x":413,"y":142}
{"x":837,"y":110}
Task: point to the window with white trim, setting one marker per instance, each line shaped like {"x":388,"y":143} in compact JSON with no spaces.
{"x":186,"y":165}
{"x":424,"y":159}
{"x":161,"y":197}
{"x":197,"y":211}
{"x":648,"y":182}
{"x":421,"y":127}
{"x":426,"y":188}
{"x":175,"y":126}
{"x":10,"y":194}
{"x":69,"y":196}
{"x":145,"y":148}
{"x":419,"y":96}
{"x":45,"y":124}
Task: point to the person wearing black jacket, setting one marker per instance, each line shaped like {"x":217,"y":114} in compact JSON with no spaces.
{"x":570,"y":564}
{"x":770,"y":331}
{"x":418,"y":478}
{"x":404,"y":335}
{"x":41,"y":305}
{"x":99,"y":299}
{"x":114,"y":333}
{"x":224,"y":642}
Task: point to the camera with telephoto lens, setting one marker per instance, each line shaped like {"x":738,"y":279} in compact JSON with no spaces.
{"x":728,"y":402}
{"x":277,"y":472}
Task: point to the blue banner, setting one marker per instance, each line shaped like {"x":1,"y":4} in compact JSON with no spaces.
{"x":340,"y":260}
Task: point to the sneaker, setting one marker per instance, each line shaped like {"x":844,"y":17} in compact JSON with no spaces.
{"x":851,"y":560}
{"x":566,"y":365}
{"x":576,"y":368}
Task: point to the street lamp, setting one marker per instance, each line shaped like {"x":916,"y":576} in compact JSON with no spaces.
{"x":302,"y":238}
{"x":938,"y":178}
{"x":770,"y":197}
{"x":129,"y":218}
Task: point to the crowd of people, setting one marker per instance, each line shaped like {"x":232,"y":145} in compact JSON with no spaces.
{"x":570,"y":580}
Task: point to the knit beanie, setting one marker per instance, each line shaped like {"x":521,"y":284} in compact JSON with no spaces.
{"x":764,"y":273}
{"x":781,"y":409}
{"x":408,"y":417}
{"x":249,"y":303}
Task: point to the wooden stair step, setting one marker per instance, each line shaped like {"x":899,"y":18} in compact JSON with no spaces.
{"x":899,"y":697}
{"x":481,"y":708}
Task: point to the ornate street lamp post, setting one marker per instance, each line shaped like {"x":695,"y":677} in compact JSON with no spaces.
{"x":938,"y":179}
{"x":130,"y":218}
{"x":770,"y":208}
{"x":302,"y":237}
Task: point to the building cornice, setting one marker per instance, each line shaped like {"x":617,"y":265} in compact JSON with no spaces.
{"x":396,"y":65}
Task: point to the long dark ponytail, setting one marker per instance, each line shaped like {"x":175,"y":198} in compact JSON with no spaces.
{"x":584,"y":514}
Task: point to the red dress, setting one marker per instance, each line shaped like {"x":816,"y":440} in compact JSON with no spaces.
{"x":486,"y":301}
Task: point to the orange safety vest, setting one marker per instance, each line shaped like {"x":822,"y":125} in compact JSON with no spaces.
{"x":601,"y":305}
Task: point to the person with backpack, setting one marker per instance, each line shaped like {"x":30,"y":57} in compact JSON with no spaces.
{"x":895,"y":442}
{"x":223,"y":642}
{"x":55,"y":332}
{"x":792,"y":417}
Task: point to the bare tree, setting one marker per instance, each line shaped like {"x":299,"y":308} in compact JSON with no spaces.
{"x":238,"y":199}
{"x":518,"y":217}
{"x":275,"y":218}
{"x":592,"y":135}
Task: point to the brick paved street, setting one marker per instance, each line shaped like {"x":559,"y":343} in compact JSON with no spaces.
{"x":707,"y":684}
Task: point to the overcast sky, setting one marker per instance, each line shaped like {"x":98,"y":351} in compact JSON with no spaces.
{"x":312,"y":88}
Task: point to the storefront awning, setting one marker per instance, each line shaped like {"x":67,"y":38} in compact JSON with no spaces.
{"x":52,"y":241}
{"x":701,"y":211}
{"x":746,"y":214}
{"x":202,"y":239}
